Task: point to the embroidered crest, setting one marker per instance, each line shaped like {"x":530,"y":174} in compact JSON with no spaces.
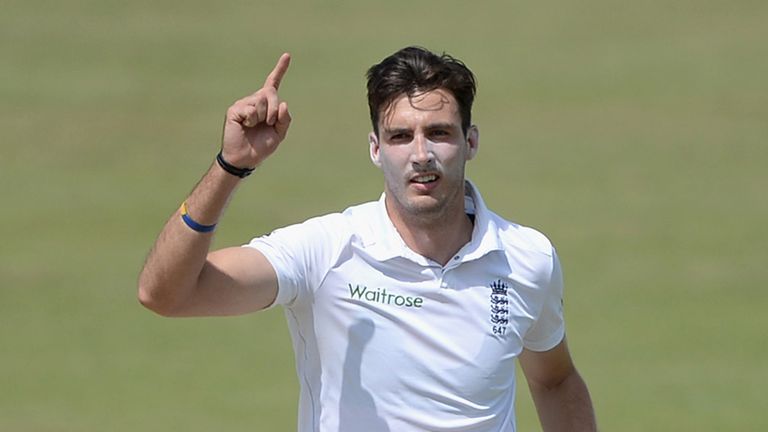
{"x":499,"y":307}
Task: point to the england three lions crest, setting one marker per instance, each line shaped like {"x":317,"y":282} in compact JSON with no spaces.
{"x":499,"y":307}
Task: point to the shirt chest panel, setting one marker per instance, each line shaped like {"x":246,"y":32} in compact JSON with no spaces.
{"x":441,"y":330}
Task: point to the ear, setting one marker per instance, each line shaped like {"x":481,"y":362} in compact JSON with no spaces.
{"x":473,"y":141}
{"x":373,"y":141}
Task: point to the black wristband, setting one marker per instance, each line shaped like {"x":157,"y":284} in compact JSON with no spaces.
{"x":235,"y":171}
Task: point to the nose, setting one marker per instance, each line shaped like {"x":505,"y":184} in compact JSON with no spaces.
{"x":422,"y":151}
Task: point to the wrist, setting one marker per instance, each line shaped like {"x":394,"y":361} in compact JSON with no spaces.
{"x":232,"y":169}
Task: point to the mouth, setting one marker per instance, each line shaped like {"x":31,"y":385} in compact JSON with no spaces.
{"x":425,"y":183}
{"x":424,"y":179}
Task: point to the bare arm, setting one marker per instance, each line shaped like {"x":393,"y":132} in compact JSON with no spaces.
{"x":559,"y":393}
{"x":180,"y":276}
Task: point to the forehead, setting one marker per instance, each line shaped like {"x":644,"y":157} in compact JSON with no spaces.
{"x":434,"y":106}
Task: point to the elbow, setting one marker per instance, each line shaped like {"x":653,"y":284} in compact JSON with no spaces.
{"x":150,"y":298}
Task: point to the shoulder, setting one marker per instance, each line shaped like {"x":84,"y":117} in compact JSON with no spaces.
{"x":361,"y":213}
{"x":521,"y":237}
{"x":303,"y":253}
{"x":350,"y":222}
{"x":509,"y":235}
{"x":331,"y":228}
{"x":530,"y":254}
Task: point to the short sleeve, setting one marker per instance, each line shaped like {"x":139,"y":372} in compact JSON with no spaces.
{"x":301,"y":255}
{"x":548,"y":329}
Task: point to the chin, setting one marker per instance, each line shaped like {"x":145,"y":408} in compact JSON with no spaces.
{"x":425,"y":206}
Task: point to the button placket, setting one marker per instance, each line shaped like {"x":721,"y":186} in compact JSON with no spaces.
{"x":443,"y":272}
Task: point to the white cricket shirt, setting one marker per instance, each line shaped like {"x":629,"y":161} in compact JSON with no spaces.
{"x":388,"y":340}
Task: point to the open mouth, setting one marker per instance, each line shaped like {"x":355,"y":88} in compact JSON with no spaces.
{"x":425,"y":179}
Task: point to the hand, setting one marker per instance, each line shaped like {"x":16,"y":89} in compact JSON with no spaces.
{"x":255,"y":125}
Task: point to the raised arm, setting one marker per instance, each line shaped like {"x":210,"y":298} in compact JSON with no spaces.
{"x":180,"y":277}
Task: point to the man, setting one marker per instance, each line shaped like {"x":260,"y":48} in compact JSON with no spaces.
{"x":407,"y":313}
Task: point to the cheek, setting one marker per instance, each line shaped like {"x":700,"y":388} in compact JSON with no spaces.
{"x":391,"y":173}
{"x":390,"y":159}
{"x":452,"y":157}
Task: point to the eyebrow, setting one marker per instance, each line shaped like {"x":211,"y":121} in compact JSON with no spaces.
{"x":442,"y":125}
{"x":395,"y":131}
{"x":432,"y":126}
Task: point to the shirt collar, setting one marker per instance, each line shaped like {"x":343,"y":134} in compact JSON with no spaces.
{"x":485,"y":233}
{"x":387,"y":244}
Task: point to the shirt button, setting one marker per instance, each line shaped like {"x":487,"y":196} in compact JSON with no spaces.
{"x":456,"y":258}
{"x":443,"y":285}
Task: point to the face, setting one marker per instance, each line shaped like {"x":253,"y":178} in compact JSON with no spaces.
{"x":422,"y":151}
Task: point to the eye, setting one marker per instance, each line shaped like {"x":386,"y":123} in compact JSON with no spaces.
{"x":440,"y":133}
{"x":400,"y":137}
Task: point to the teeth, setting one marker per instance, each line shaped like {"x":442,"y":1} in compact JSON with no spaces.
{"x":425,"y":179}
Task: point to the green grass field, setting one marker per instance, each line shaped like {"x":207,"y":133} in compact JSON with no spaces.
{"x":632,"y":133}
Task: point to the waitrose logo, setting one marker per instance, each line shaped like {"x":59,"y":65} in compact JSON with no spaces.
{"x":380,"y":295}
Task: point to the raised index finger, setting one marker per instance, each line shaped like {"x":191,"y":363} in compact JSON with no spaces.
{"x":274,"y":78}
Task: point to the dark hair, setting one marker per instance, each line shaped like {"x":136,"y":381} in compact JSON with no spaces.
{"x":415,"y":70}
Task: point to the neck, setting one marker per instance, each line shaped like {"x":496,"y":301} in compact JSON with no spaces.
{"x":437,"y":237}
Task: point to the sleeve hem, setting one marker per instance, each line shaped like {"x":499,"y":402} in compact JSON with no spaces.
{"x":546,"y":344}
{"x":280,"y":298}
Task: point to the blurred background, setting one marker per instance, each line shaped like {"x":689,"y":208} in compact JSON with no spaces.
{"x":632,"y":133}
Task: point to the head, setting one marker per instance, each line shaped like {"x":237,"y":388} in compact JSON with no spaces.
{"x":413,"y":71}
{"x":420,"y":108}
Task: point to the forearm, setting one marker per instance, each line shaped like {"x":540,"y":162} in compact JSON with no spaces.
{"x":179,"y":277}
{"x":174,"y":264}
{"x":566,"y":406}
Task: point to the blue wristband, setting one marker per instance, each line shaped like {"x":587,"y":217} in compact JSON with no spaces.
{"x":191,"y":222}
